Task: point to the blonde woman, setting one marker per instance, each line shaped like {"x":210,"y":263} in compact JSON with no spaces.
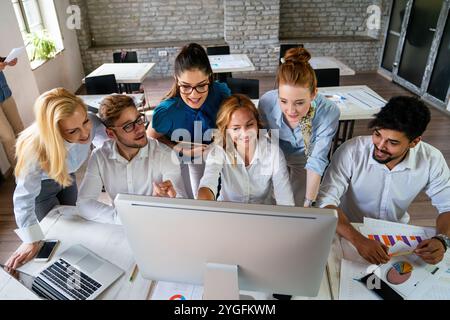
{"x":249,"y":165}
{"x":306,"y":122}
{"x":49,"y":152}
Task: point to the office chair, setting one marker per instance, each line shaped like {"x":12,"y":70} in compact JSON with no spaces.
{"x":211,"y":51}
{"x":249,"y":87}
{"x":327,"y":77}
{"x":101,"y":84}
{"x":286,"y":47}
{"x":127,"y":57}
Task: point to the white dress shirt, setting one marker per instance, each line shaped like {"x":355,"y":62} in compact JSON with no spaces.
{"x":266,"y":172}
{"x":362,"y":187}
{"x":106,"y":167}
{"x":28,"y":186}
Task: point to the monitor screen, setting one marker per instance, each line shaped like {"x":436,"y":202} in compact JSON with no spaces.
{"x":276,"y":249}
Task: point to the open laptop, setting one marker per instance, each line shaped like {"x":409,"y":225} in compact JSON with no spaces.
{"x":76,"y":274}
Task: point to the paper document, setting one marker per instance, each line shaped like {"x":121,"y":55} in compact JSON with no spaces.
{"x":176,"y":291}
{"x":15,"y":53}
{"x":352,"y":289}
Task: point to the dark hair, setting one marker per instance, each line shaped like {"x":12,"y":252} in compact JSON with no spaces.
{"x":192,"y":56}
{"x":405,"y":114}
{"x":296,"y":70}
{"x":111,"y":108}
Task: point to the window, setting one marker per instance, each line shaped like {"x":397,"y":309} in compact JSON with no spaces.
{"x":28,"y":15}
{"x":38,"y":23}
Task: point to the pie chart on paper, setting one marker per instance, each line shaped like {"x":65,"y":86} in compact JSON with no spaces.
{"x":399,"y":273}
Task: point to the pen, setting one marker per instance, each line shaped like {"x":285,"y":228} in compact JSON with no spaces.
{"x":402,"y":253}
{"x":133,"y":273}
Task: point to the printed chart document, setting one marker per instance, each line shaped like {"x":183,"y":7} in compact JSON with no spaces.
{"x":352,"y":289}
{"x":15,"y":53}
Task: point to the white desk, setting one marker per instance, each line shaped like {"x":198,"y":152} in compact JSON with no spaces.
{"x":354,"y":106}
{"x":330,"y":62}
{"x":94,"y":100}
{"x":230,"y":63}
{"x":124,"y":72}
{"x":109,"y":242}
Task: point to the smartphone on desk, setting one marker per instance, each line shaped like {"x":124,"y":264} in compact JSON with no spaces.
{"x":47,"y":250}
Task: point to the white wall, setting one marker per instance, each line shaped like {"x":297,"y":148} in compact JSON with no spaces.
{"x":65,"y":70}
{"x":20,"y":78}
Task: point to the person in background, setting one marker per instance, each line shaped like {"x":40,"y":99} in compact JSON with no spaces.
{"x":189,"y":110}
{"x":127,"y":163}
{"x":251,"y":168}
{"x":379,"y":176}
{"x":10,"y":122}
{"x":49,"y":152}
{"x":306,"y":120}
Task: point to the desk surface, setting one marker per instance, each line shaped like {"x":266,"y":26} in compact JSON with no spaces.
{"x":331,"y":62}
{"x":108,"y":241}
{"x":124,"y":72}
{"x":357,"y":103}
{"x":230,"y":63}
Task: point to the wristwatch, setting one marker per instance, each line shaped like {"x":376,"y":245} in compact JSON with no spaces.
{"x":444,"y":239}
{"x":309,"y":203}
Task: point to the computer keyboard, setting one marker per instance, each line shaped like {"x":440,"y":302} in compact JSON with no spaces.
{"x":67,"y":279}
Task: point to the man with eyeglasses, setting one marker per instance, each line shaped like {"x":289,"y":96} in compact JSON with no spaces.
{"x":128,"y":163}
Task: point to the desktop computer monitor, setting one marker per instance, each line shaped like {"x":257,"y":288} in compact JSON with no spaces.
{"x":228,"y":246}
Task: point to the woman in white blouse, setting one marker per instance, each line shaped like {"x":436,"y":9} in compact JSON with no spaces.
{"x":251,"y":167}
{"x":49,"y":152}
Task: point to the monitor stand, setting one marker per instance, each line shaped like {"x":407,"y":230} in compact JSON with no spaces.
{"x":221,"y":282}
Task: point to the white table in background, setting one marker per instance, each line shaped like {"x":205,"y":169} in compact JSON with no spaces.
{"x":124,"y":72}
{"x":106,"y":240}
{"x":331,"y":62}
{"x":355,"y":103}
{"x":230,"y":63}
{"x":93,"y":100}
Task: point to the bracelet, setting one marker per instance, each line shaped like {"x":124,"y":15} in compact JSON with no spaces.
{"x":309,"y":203}
{"x":442,"y":241}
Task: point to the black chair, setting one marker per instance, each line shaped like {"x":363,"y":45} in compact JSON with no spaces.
{"x":249,"y":87}
{"x":327,"y":77}
{"x":127,"y":57}
{"x":101,"y":84}
{"x":285,"y":47}
{"x":211,"y":51}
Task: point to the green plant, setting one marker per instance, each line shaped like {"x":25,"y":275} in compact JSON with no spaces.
{"x":40,"y":46}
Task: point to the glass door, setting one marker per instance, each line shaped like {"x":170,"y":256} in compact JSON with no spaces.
{"x":393,"y":34}
{"x":416,"y":42}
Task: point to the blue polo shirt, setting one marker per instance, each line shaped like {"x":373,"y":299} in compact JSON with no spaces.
{"x":5,"y":92}
{"x":174,"y":113}
{"x":324,"y":127}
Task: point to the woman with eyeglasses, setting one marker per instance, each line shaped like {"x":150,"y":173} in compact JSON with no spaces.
{"x":49,"y":152}
{"x":306,"y":122}
{"x":189,"y":110}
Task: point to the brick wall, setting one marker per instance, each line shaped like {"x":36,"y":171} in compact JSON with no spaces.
{"x":307,"y":18}
{"x":252,"y":27}
{"x":137,"y":21}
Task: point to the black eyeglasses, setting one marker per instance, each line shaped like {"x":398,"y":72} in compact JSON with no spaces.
{"x":129,"y":127}
{"x":201,"y":88}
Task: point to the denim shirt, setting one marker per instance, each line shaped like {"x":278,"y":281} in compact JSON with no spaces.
{"x":324,"y":127}
{"x":5,"y":92}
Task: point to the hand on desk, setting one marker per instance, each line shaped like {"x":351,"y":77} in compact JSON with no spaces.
{"x":164,"y":189}
{"x":373,"y":251}
{"x":23,"y":254}
{"x":430,"y":250}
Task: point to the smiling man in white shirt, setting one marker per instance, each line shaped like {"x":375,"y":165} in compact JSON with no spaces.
{"x":379,"y":177}
{"x":129,"y":163}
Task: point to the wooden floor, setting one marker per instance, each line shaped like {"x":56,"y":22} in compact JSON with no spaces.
{"x":421,"y":211}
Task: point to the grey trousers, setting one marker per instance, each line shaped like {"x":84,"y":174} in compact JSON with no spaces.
{"x":53,"y":194}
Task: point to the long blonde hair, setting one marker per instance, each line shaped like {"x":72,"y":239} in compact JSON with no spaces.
{"x":42,"y":142}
